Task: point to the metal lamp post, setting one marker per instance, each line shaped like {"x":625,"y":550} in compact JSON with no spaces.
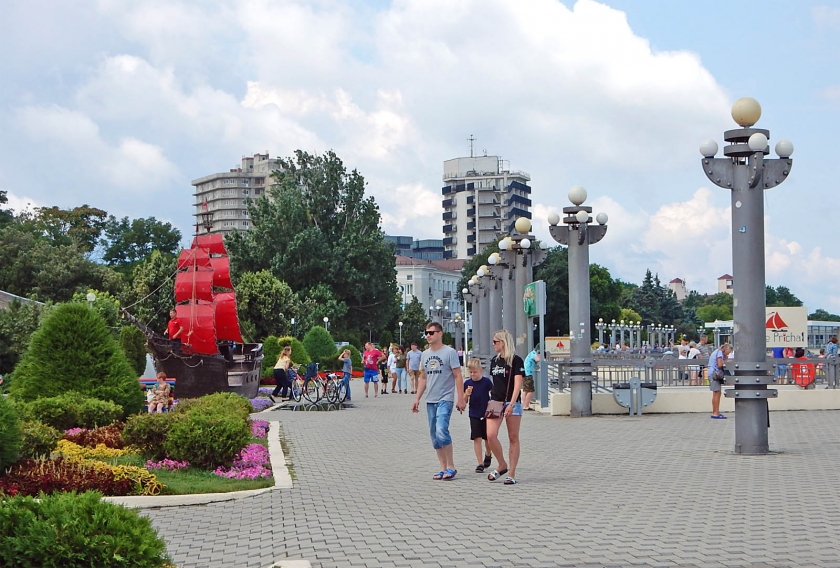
{"x":578,"y":234}
{"x":294,"y":326}
{"x":464,"y":293}
{"x":600,"y":326}
{"x":91,"y":298}
{"x":326,"y":323}
{"x":746,"y":172}
{"x":613,"y":328}
{"x":399,"y":323}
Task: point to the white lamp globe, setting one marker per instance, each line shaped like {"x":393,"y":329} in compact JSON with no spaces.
{"x":601,"y":218}
{"x":523,"y":225}
{"x":577,"y":194}
{"x":465,"y":290}
{"x":757,"y":142}
{"x":553,"y":219}
{"x":525,"y":243}
{"x":485,"y":269}
{"x":492,"y":258}
{"x":582,"y":216}
{"x":784,"y":148}
{"x":708,"y":148}
{"x":480,"y":272}
{"x":746,"y":111}
{"x":503,"y":244}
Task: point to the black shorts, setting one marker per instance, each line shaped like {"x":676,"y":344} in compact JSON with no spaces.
{"x":478,"y":428}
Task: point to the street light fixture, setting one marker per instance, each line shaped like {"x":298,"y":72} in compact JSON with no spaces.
{"x":294,"y":326}
{"x":400,"y":324}
{"x":91,"y":298}
{"x":326,"y":323}
{"x":601,"y":326}
{"x":747,"y":172}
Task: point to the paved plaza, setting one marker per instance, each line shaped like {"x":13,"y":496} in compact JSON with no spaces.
{"x":659,"y":490}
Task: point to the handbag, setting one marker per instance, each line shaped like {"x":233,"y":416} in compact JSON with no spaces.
{"x":717,"y":375}
{"x":495,"y":408}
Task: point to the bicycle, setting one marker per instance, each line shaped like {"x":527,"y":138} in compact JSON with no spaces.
{"x":308,"y":386}
{"x":334,"y":389}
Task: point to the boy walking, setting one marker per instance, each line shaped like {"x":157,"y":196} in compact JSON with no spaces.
{"x":441,"y":380}
{"x":477,"y":391}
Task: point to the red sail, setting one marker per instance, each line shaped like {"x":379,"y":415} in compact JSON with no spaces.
{"x":193,"y":257}
{"x":221,"y":272}
{"x":197,"y":320}
{"x":227,"y":322}
{"x":214,"y":244}
{"x":194,"y":285}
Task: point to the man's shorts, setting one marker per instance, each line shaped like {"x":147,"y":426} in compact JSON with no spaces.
{"x":371,"y":375}
{"x":478,"y":428}
{"x":414,"y":374}
{"x":528,"y":384}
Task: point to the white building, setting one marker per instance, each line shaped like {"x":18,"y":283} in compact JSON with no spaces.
{"x":677,"y":286}
{"x":429,"y":281}
{"x":223,"y":198}
{"x":482,"y":198}
{"x":725,"y":284}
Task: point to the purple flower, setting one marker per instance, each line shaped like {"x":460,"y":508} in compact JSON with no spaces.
{"x":167,"y":463}
{"x":259,"y":428}
{"x":260,"y":404}
{"x":252,"y":463}
{"x":75,"y":431}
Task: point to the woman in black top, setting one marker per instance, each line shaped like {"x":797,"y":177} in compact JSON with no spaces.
{"x":507,"y":371}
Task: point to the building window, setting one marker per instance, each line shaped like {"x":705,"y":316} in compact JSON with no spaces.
{"x":245,"y":223}
{"x":409,"y":289}
{"x":408,"y":277}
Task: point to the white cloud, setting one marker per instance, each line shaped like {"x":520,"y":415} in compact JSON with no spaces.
{"x":19,"y":203}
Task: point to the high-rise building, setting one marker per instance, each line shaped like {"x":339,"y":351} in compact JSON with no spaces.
{"x":425,"y":249}
{"x":221,"y":200}
{"x":482,"y":198}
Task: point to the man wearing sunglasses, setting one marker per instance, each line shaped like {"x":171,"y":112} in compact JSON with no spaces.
{"x":441,"y":380}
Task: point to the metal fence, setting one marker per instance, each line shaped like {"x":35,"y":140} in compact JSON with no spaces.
{"x":670,"y":371}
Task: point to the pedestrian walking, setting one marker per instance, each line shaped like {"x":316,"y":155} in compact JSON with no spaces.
{"x":507,"y":371}
{"x":717,"y":362}
{"x":831,"y":347}
{"x":413,"y":358}
{"x":477,"y":393}
{"x":443,"y":385}
{"x":371,"y":359}
{"x":400,"y":373}
{"x":281,"y":374}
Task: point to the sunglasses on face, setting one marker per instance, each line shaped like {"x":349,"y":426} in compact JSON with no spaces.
{"x":497,"y":341}
{"x":431,"y":331}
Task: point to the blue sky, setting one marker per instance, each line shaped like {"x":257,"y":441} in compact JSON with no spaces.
{"x":120,"y":103}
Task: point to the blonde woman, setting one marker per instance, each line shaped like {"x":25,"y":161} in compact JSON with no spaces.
{"x":281,"y":376}
{"x":507,"y":371}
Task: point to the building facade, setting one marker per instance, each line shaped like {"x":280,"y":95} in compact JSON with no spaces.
{"x":677,"y":286}
{"x":221,"y":200}
{"x":424,"y":249}
{"x":429,"y":281}
{"x":482,"y":198}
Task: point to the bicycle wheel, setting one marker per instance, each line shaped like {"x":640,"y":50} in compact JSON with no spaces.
{"x":334,"y":391}
{"x":297,"y":389}
{"x":342,"y":392}
{"x":312,"y":389}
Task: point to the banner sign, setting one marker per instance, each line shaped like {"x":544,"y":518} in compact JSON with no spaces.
{"x":533,"y":299}
{"x":786,"y":327}
{"x":558,"y":346}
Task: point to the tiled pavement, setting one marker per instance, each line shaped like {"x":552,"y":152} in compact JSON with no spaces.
{"x":660,"y":490}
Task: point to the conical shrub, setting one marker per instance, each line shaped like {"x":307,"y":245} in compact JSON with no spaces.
{"x":74,"y":351}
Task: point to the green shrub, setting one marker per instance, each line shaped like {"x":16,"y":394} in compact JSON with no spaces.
{"x":71,"y":410}
{"x":207,"y":440}
{"x":148,"y":432}
{"x":74,"y":349}
{"x":319,"y":343}
{"x":38,"y":438}
{"x":70,"y":530}
{"x":385,"y":339}
{"x":133,"y":344}
{"x":226,"y":403}
{"x":10,"y":436}
{"x":300,"y":356}
{"x":271,"y":351}
{"x":355,"y":356}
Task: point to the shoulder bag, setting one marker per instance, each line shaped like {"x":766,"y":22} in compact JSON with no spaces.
{"x":495,"y":408}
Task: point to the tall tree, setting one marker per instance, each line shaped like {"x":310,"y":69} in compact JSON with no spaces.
{"x":414,"y":322}
{"x":81,"y":225}
{"x":127,"y":242}
{"x":316,"y":226}
{"x":823,"y":315}
{"x":266,"y":305}
{"x":781,"y":297}
{"x":152,"y":291}
{"x":6,"y":215}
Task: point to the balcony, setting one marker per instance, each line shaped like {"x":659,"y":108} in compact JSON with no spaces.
{"x":471,"y":212}
{"x":470,"y":199}
{"x":520,"y":186}
{"x":460,"y":187}
{"x":470,"y":238}
{"x":471,"y":251}
{"x":514,"y":199}
{"x":447,"y":189}
{"x":447,"y":203}
{"x":447,"y":241}
{"x":470,"y":226}
{"x":517,"y":212}
{"x":448,"y":229}
{"x":449,"y":215}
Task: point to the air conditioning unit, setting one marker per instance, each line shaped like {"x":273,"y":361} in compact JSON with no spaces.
{"x":454,"y":201}
{"x":454,"y":215}
{"x":454,"y":240}
{"x":454,"y":229}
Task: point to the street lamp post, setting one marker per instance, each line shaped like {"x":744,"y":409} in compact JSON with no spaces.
{"x":465,"y":292}
{"x":91,"y":298}
{"x":326,"y":323}
{"x":746,"y":172}
{"x":578,"y":234}
{"x":613,"y":328}
{"x":456,"y":323}
{"x":399,"y":323}
{"x":600,"y":326}
{"x":294,"y":326}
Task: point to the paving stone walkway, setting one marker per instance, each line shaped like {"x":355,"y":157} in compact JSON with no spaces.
{"x":659,"y":490}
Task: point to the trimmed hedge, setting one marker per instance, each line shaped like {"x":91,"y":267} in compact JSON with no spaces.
{"x":39,"y":439}
{"x":10,"y":435}
{"x":71,"y":410}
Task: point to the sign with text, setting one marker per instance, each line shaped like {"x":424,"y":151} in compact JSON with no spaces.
{"x":557,"y":346}
{"x":533,"y":299}
{"x":786,"y":327}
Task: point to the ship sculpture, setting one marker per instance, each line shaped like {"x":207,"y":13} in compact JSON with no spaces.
{"x":211,"y":355}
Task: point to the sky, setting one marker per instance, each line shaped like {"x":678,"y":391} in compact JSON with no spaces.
{"x":119,"y":104}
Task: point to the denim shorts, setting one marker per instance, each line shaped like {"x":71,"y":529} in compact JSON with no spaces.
{"x":517,"y":408}
{"x":371,"y":375}
{"x":439,"y":414}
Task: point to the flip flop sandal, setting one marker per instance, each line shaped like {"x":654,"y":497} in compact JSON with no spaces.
{"x":479,"y":468}
{"x":449,"y":473}
{"x":496,"y":475}
{"x":438,"y":475}
{"x":510,"y":481}
{"x":487,"y":461}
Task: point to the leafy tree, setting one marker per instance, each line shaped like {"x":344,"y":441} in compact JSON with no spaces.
{"x":385,"y":339}
{"x":106,"y":305}
{"x":629,"y":315}
{"x":315,"y":226}
{"x":271,"y":352}
{"x":299,"y":353}
{"x":414,"y":323}
{"x":152,"y":292}
{"x":555,"y":272}
{"x":6,"y":215}
{"x":604,"y":295}
{"x":319,"y":302}
{"x":133,"y":344}
{"x":266,"y":305}
{"x":823,"y":315}
{"x":17,"y":324}
{"x":81,"y":225}
{"x":781,"y":297}
{"x":712,"y":312}
{"x":127,"y":242}
{"x":472,"y":265}
{"x":74,"y":351}
{"x":319,"y":343}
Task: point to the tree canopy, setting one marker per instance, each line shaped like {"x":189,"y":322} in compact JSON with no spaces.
{"x":126,"y":242}
{"x":315,"y":226}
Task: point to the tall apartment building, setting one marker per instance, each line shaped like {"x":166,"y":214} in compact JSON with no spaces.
{"x":482,"y":198}
{"x":424,"y":249}
{"x":222,"y":199}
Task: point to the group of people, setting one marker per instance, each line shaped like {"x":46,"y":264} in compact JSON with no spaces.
{"x":400,"y":366}
{"x":492,"y":400}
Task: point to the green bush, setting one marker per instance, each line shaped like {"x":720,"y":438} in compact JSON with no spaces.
{"x":70,"y":530}
{"x":385,"y":339}
{"x":300,"y":356}
{"x":71,"y":410}
{"x":207,"y":440}
{"x":10,"y":436}
{"x":133,"y":344}
{"x":148,"y":432}
{"x":319,"y":343}
{"x":38,"y":438}
{"x":227,"y":403}
{"x":73,"y":349}
{"x":355,"y":356}
{"x":271,"y":351}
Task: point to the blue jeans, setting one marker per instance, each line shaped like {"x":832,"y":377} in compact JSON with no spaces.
{"x":346,"y":381}
{"x":401,"y":381}
{"x":439,"y":414}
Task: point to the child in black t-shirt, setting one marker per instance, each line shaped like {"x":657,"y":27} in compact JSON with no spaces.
{"x":477,"y":392}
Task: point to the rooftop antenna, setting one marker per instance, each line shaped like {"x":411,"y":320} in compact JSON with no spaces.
{"x":471,"y":139}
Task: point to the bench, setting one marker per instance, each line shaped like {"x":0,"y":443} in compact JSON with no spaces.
{"x":149,"y":384}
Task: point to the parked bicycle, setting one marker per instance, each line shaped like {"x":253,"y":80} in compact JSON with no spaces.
{"x":309,"y":386}
{"x":334,"y":388}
